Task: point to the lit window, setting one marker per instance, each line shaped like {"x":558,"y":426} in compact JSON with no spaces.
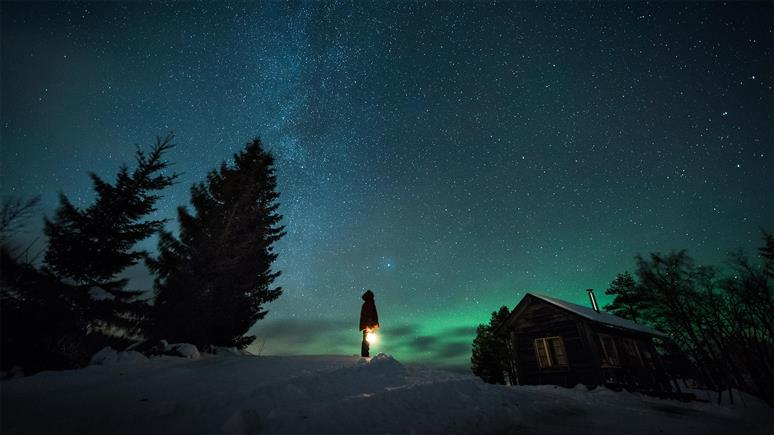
{"x":550,"y":352}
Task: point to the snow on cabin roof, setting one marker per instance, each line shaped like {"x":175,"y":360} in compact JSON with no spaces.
{"x":601,"y":317}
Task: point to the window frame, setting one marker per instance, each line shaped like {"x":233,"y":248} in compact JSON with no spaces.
{"x":547,"y":345}
{"x":633,"y":351}
{"x":606,"y":360}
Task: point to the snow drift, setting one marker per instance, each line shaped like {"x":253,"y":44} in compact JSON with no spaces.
{"x":234,"y":394}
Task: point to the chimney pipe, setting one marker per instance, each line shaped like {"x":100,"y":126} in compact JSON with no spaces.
{"x":593,"y":299}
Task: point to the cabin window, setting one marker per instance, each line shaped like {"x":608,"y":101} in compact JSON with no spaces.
{"x":648,"y":359}
{"x":550,"y":352}
{"x":632,"y":352}
{"x":609,"y":351}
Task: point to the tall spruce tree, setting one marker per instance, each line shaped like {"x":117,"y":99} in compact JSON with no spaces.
{"x":628,"y":301}
{"x":490,"y":358}
{"x":40,"y":317}
{"x":42,"y":321}
{"x":213,"y":281}
{"x":93,"y":246}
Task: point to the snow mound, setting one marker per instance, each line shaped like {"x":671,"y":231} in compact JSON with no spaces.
{"x":383,"y":358}
{"x":336,"y":394}
{"x":383,"y":365}
{"x":185,"y":350}
{"x":106,"y":356}
{"x":163,"y":347}
{"x":109,"y":356}
{"x":131,"y":357}
{"x":230,"y":351}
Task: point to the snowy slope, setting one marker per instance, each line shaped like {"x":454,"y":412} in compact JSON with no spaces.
{"x":335,"y":394}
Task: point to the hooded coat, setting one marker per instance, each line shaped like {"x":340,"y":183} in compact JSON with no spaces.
{"x":369,"y":318}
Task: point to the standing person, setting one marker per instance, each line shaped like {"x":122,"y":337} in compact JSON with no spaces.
{"x":369,"y":320}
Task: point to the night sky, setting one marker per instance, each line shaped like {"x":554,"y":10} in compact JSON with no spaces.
{"x":451,"y":157}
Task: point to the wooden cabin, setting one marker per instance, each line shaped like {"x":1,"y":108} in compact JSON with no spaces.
{"x":561,"y":343}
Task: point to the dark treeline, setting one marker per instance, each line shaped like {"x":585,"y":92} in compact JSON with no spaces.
{"x":721,"y":322}
{"x":211,"y":280}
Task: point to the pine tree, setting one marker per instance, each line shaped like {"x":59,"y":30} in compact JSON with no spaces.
{"x":42,"y":320}
{"x":491,"y":356}
{"x":213,"y":281}
{"x":93,"y":246}
{"x":628,"y":299}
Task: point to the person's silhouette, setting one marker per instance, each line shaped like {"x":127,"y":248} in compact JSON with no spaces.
{"x":369,"y":321}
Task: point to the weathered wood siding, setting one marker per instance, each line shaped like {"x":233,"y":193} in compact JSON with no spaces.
{"x":633,"y":371}
{"x":581,"y":337}
{"x":541,"y":320}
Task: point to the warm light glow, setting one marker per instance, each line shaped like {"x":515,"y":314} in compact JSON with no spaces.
{"x":371,"y":337}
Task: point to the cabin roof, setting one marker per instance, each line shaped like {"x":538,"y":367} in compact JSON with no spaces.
{"x":599,"y":317}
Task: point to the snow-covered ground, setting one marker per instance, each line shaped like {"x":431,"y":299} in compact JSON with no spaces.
{"x":335,"y":395}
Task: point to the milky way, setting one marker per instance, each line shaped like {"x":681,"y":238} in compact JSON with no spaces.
{"x":451,"y":157}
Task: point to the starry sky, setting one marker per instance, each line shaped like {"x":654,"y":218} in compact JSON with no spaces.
{"x":449,"y":156}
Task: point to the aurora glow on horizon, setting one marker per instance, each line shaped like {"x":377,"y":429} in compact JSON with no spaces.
{"x":451,"y":157}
